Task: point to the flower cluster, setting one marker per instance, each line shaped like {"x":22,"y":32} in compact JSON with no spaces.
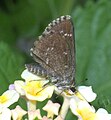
{"x":36,"y":89}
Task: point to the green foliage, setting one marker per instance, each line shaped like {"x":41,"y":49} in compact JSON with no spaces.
{"x":92,"y":23}
{"x":93,"y":47}
{"x":28,"y":18}
{"x":11,"y":66}
{"x":70,"y":116}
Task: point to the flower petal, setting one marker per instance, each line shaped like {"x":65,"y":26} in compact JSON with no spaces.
{"x":41,"y":95}
{"x":33,"y":114}
{"x":82,"y":109}
{"x":87,"y":93}
{"x":45,"y":118}
{"x":6,"y":114}
{"x":29,"y":76}
{"x":19,"y":87}
{"x":102,"y":114}
{"x":11,"y":87}
{"x":59,"y":118}
{"x":8,"y":98}
{"x":51,"y":108}
{"x":18,"y":113}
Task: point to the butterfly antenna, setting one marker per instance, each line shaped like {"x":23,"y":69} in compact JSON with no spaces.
{"x":81,"y":82}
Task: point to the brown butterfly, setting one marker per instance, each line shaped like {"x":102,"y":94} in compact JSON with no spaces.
{"x":54,"y":53}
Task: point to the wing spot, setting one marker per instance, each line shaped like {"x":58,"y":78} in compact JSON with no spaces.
{"x":46,"y":53}
{"x":66,"y":66}
{"x":31,"y":54}
{"x":61,"y":31}
{"x":51,"y":48}
{"x":48,"y":49}
{"x":31,"y":49}
{"x":58,"y":20}
{"x":53,"y":23}
{"x":47,"y":28}
{"x":70,"y":35}
{"x":65,"y":34}
{"x":40,"y":37}
{"x":47,"y":61}
{"x":65,"y":53}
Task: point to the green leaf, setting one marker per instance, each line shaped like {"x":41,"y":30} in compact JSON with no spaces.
{"x":93,"y":46}
{"x":6,"y":30}
{"x":11,"y":66}
{"x":30,"y":16}
{"x":70,"y":116}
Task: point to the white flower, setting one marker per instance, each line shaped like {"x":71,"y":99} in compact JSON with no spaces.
{"x":84,"y":111}
{"x":29,"y":76}
{"x":102,"y":114}
{"x":5,"y":114}
{"x":34,"y":87}
{"x":51,"y":108}
{"x":80,"y":98}
{"x":34,"y":90}
{"x":33,"y":114}
{"x":59,"y":118}
{"x":18,"y":113}
{"x":8,"y":98}
{"x":87,"y":93}
{"x":19,"y":87}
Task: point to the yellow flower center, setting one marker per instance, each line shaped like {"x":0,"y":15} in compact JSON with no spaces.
{"x":86,"y":114}
{"x":33,"y":87}
{"x":3,"y":99}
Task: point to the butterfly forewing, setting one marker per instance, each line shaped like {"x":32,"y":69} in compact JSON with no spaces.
{"x":55,"y":51}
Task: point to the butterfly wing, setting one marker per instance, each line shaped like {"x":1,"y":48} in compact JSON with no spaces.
{"x":55,"y":50}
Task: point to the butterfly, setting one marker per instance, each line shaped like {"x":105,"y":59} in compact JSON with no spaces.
{"x":54,"y":53}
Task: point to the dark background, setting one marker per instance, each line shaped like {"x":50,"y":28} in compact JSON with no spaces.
{"x":21,"y":21}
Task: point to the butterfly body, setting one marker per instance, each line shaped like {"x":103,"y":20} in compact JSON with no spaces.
{"x":54,"y":51}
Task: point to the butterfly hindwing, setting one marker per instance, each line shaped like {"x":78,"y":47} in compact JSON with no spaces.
{"x":55,"y":51}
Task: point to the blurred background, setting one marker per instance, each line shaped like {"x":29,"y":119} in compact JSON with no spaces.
{"x":22,"y":21}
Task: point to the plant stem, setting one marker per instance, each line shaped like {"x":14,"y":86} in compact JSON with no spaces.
{"x":65,"y":107}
